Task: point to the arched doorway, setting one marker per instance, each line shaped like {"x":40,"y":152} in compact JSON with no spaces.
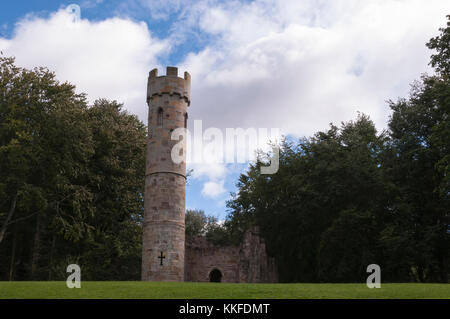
{"x":215,"y":275}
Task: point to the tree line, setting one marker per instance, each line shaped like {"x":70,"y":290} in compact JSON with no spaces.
{"x":72,"y":183}
{"x":71,"y":180}
{"x":350,"y":196}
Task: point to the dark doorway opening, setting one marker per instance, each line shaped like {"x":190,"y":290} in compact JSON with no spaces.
{"x":215,"y":275}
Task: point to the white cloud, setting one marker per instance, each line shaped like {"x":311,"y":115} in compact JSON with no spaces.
{"x":293,"y":65}
{"x":87,"y":4}
{"x":211,"y":171}
{"x":109,"y":58}
{"x":296,"y":65}
{"x":161,"y":9}
{"x":299,"y":65}
{"x":213,"y":189}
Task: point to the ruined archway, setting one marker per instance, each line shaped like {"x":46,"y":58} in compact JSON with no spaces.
{"x":215,"y":275}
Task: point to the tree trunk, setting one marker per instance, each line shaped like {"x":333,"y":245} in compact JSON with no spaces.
{"x":8,"y":218}
{"x":13,"y":255}
{"x":51,"y":258}
{"x":36,"y":246}
{"x":442,"y":269}
{"x":420,"y":273}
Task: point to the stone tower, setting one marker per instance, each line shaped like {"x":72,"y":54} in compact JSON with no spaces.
{"x":168,"y":98}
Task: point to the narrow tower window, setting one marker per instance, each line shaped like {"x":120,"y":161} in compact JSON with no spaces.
{"x":159,"y":120}
{"x":185,"y":120}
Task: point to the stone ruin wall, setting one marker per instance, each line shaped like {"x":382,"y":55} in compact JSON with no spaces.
{"x":247,"y":263}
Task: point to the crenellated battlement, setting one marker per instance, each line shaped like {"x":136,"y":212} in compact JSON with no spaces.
{"x":169,"y":84}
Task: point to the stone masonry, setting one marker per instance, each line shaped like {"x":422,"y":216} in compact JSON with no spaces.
{"x":163,"y":247}
{"x":168,"y":98}
{"x":248,"y":262}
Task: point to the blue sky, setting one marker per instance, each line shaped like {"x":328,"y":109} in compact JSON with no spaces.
{"x":13,"y":11}
{"x":291,"y":65}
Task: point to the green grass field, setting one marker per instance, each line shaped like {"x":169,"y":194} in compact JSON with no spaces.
{"x":171,"y":290}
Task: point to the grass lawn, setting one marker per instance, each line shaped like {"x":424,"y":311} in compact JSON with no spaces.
{"x":187,"y":290}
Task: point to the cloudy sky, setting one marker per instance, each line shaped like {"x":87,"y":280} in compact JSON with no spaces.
{"x":296,"y":65}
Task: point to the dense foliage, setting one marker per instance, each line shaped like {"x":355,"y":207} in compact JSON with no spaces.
{"x":350,"y":196}
{"x":71,"y":180}
{"x":199,"y":224}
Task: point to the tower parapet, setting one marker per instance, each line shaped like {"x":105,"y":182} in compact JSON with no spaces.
{"x":169,"y":84}
{"x":168,"y":98}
